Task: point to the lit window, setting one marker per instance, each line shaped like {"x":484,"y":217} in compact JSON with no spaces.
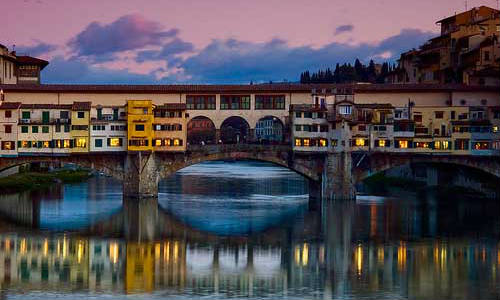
{"x":345,"y":109}
{"x":360,"y":142}
{"x":177,"y":142}
{"x":403,"y":144}
{"x":114,"y":142}
{"x":495,"y":128}
{"x":81,"y":143}
{"x":322,"y":143}
{"x":167,"y":142}
{"x":306,"y":142}
{"x":45,"y":144}
{"x":158,"y":142}
{"x":381,"y":143}
{"x":481,"y":145}
{"x":422,"y":145}
{"x":66,"y":143}
{"x":25,"y":144}
{"x":298,"y":142}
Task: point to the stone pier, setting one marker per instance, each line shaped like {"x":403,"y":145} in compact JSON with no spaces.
{"x":140,"y":178}
{"x":337,"y":182}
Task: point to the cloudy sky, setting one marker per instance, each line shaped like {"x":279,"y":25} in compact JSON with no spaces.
{"x":214,"y":41}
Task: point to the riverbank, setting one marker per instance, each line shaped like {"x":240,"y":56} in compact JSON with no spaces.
{"x":34,"y":180}
{"x":382,"y":185}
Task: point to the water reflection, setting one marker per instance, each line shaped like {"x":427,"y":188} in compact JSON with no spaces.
{"x":415,"y":247}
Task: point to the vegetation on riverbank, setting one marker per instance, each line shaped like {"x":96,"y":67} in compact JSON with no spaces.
{"x":36,"y":180}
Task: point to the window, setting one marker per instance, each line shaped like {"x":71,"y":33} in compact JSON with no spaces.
{"x":421,"y":145}
{"x":200,"y":102}
{"x":481,"y":145}
{"x":45,"y":129}
{"x":58,"y":128}
{"x":8,"y":114}
{"x":80,"y":114}
{"x":26,"y":115}
{"x":81,"y":143}
{"x":298,"y":115}
{"x":402,"y":144}
{"x":114,"y":142}
{"x":98,"y":143}
{"x":26,"y":144}
{"x":177,"y":142}
{"x":64,"y":114}
{"x":99,"y":114}
{"x":66,"y":128}
{"x":438,"y":114}
{"x":381,"y":143}
{"x":269,"y":102}
{"x":441,"y":145}
{"x":323,"y":128}
{"x":494,"y":129}
{"x":78,"y":127}
{"x":486,"y":55}
{"x":24,"y":129}
{"x":8,"y":145}
{"x":157,"y":142}
{"x":452,"y":115}
{"x":308,"y":114}
{"x":361,"y":127}
{"x":360,"y":142}
{"x":345,"y":109}
{"x":323,"y":143}
{"x":334,"y":142}
{"x":8,"y":128}
{"x":34,"y":129}
{"x":417,"y":118}
{"x":46,"y":144}
{"x":298,"y":127}
{"x":139,"y":143}
{"x":139,"y":127}
{"x":234,"y":102}
{"x":298,"y":142}
{"x":306,"y":142}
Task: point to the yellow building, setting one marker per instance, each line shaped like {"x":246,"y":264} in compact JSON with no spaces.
{"x":170,"y":127}
{"x":140,"y":125}
{"x":80,"y":122}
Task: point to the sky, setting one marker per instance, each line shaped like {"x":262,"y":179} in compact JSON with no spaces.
{"x":214,"y":41}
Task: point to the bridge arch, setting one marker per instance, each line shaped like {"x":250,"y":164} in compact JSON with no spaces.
{"x":110,"y":164}
{"x":201,"y":129}
{"x":269,"y":129}
{"x":382,"y":162}
{"x":235,"y":130}
{"x":167,"y":166}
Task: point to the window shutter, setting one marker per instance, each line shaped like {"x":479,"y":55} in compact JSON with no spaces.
{"x":109,"y":142}
{"x":18,"y":144}
{"x":71,"y":143}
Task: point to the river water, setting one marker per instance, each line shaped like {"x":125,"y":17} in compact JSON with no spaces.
{"x":245,"y":230}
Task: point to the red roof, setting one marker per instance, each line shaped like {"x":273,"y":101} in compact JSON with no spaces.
{"x":28,"y":60}
{"x":81,"y":105}
{"x":46,"y":106}
{"x":10,"y":105}
{"x":238,"y":88}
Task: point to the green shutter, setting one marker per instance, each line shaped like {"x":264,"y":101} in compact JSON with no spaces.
{"x":45,"y":117}
{"x":18,"y":144}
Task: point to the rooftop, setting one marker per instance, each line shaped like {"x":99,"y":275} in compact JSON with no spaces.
{"x":237,"y":88}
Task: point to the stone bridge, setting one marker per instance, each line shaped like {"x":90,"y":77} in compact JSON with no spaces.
{"x":331,"y":175}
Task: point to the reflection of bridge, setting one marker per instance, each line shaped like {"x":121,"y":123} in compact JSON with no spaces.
{"x":331,"y":175}
{"x":330,"y":257}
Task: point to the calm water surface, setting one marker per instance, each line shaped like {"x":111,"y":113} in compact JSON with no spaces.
{"x":245,"y":230}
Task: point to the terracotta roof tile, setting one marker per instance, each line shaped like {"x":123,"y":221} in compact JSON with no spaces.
{"x":81,"y":105}
{"x":46,"y":106}
{"x":10,"y":105}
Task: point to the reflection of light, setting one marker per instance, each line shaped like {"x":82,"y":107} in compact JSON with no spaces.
{"x":483,"y":254}
{"x":166,"y":252}
{"x":65,"y":247}
{"x":380,"y":254}
{"x":402,"y":256}
{"x":358,"y":258}
{"x":58,"y":248}
{"x":322,"y":254}
{"x":79,"y":252}
{"x":297,"y":255}
{"x":157,"y":251}
{"x":45,"y":247}
{"x":113,"y":252}
{"x":305,"y":254}
{"x":498,"y":257}
{"x":22,"y":246}
{"x":176,"y":250}
{"x":7,"y":245}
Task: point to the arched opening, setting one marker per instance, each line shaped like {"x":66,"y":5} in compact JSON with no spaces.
{"x":201,"y":130}
{"x":449,"y":178}
{"x":269,"y":130}
{"x":234,"y":130}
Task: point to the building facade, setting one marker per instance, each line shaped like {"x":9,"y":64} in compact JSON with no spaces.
{"x":170,"y":127}
{"x":140,"y":125}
